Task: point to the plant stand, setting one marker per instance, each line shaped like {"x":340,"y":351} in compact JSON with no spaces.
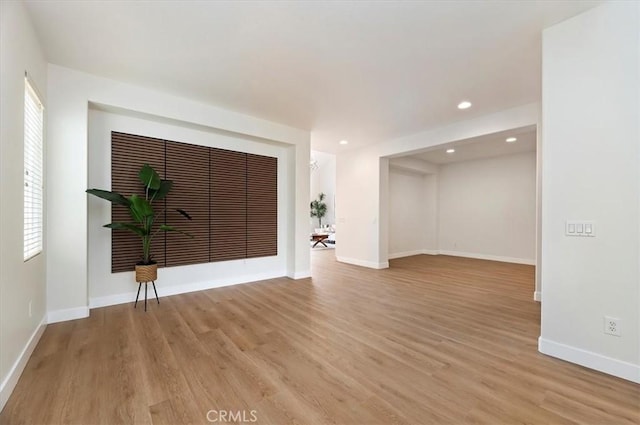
{"x":146,"y":273}
{"x":145,"y":294}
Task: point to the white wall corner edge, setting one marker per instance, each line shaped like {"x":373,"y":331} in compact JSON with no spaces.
{"x":537,"y":296}
{"x":611,"y":366}
{"x":56,"y":316}
{"x":10,"y":381}
{"x":364,"y":263}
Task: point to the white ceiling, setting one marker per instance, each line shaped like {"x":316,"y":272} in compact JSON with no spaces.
{"x":486,"y":146}
{"x":357,"y":70}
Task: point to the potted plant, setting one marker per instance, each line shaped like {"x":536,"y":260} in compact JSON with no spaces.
{"x":143,"y":217}
{"x":319,"y":208}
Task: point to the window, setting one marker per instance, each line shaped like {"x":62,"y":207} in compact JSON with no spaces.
{"x":33,"y":171}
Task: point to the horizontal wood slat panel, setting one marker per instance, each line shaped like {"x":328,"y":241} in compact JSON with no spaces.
{"x":262,"y":206}
{"x":231,"y":197}
{"x":128,"y":154}
{"x":188,"y":167}
{"x":228,"y":185}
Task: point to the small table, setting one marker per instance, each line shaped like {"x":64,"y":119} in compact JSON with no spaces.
{"x":319,"y":238}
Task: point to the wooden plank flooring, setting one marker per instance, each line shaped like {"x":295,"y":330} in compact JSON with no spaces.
{"x":433,"y":339}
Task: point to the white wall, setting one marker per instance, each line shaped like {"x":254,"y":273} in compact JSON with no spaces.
{"x":407,"y":209}
{"x":591,"y":171}
{"x":69,"y":95}
{"x":106,"y":288}
{"x":21,"y":282}
{"x":413,"y":208}
{"x":431,"y":214}
{"x":323,"y":180}
{"x":358,"y":209}
{"x":487,"y":208}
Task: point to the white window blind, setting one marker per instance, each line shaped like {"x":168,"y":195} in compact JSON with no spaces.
{"x":33,"y":171}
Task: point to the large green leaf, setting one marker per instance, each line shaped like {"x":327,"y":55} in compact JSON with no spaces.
{"x":165,"y":187}
{"x":113,"y":197}
{"x":126,"y":226}
{"x":149,"y":177}
{"x":183,"y":213}
{"x":140,"y":208}
{"x":167,"y":228}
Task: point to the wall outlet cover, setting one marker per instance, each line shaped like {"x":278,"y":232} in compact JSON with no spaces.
{"x":612,"y":326}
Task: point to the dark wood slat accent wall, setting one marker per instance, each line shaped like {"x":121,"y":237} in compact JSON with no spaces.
{"x":262,"y":206}
{"x":231,"y":196}
{"x":228,"y":205}
{"x":128,"y":154}
{"x":188,"y":167}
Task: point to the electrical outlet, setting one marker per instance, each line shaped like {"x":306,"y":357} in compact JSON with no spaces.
{"x":30,"y":311}
{"x":612,"y":326}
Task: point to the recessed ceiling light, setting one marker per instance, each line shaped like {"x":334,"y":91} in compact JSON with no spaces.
{"x":511,"y":139}
{"x":344,"y":142}
{"x":451,"y":150}
{"x":464,"y":104}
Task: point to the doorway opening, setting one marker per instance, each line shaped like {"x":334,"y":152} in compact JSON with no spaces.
{"x":474,"y":198}
{"x":322,"y":220}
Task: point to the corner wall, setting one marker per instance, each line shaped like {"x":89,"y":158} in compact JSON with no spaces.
{"x":21,"y":283}
{"x":413,"y":207}
{"x":407,"y":212}
{"x":591,"y":171}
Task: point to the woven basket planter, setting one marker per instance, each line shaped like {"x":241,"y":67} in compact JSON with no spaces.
{"x":146,"y":273}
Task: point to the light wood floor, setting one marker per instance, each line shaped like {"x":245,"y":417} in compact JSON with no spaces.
{"x":430,"y":340}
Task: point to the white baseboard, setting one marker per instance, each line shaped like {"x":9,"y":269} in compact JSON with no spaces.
{"x":537,"y":296}
{"x":405,"y":254}
{"x":363,"y":263}
{"x":165,"y":291}
{"x":430,"y":252}
{"x":412,"y":253}
{"x":300,"y":275}
{"x":10,"y":381}
{"x":460,"y":254}
{"x":489,"y":257}
{"x":67,"y":314}
{"x":611,"y":366}
{"x":115,"y":299}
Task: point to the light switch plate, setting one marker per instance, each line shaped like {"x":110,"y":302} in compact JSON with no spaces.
{"x":580,"y":228}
